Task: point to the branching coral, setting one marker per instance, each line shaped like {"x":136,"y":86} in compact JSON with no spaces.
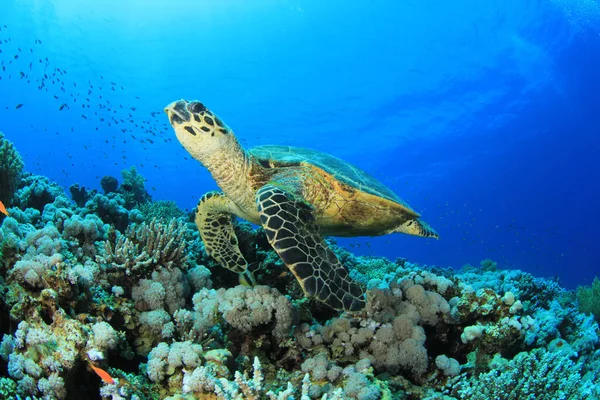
{"x":205,"y":379}
{"x":539,"y":375}
{"x":142,"y":249}
{"x":243,"y":387}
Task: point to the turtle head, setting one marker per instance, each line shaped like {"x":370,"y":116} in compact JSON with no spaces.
{"x":200,"y":131}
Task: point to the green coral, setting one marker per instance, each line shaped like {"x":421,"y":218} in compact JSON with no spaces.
{"x":8,"y":388}
{"x":374,"y":267}
{"x":589,"y":298}
{"x":133,"y":188}
{"x":488,"y":265}
{"x":11,"y":168}
{"x":165,"y":210}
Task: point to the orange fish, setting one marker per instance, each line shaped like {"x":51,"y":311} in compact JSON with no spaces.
{"x":282,"y":274}
{"x":103,"y":374}
{"x":3,"y":209}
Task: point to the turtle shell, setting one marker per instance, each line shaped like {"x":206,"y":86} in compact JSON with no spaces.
{"x":282,"y":156}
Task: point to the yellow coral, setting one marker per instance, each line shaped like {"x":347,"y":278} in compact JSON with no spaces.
{"x":589,"y":298}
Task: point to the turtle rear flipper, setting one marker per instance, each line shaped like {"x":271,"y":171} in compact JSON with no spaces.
{"x":214,"y":221}
{"x":289,"y":224}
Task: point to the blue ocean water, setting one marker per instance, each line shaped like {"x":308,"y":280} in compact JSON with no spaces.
{"x":483,"y":116}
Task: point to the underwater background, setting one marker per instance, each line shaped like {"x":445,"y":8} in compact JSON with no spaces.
{"x":483,"y":115}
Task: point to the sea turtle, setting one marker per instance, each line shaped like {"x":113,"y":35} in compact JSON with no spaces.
{"x":297,"y":195}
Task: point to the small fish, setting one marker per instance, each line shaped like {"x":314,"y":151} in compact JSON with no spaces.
{"x":283,"y":274}
{"x":105,"y":376}
{"x":62,"y":106}
{"x":18,"y":106}
{"x":244,"y":281}
{"x":3,"y":209}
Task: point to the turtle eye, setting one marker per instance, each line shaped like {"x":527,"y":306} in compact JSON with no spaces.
{"x":196,"y":107}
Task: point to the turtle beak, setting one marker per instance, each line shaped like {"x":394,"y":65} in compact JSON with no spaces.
{"x":177,"y":112}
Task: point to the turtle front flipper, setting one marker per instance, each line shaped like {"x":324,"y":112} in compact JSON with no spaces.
{"x":289,"y":224}
{"x":214,"y":221}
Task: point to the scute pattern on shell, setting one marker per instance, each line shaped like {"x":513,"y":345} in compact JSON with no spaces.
{"x":341,"y":170}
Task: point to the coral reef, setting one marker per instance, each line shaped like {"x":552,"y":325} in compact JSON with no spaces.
{"x":11,"y":168}
{"x":109,"y":184}
{"x":539,"y":374}
{"x":589,"y":298}
{"x":80,"y":195}
{"x":143,"y":248}
{"x":36,"y":191}
{"x":163,"y":210}
{"x":133,"y":188}
{"x":121,"y":283}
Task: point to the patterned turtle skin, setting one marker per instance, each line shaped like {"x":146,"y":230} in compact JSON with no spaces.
{"x":297,"y":195}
